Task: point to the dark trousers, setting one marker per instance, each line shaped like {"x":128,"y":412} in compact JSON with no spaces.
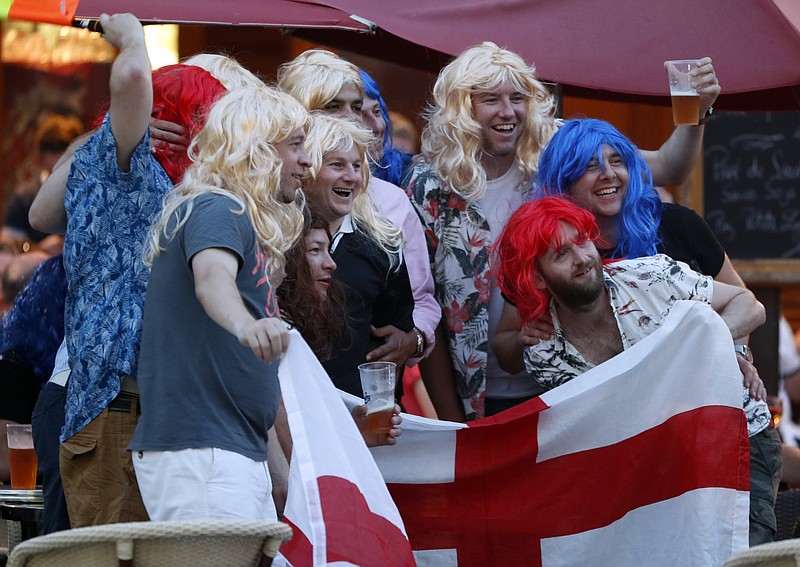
{"x":765,"y":475}
{"x":47,"y":421}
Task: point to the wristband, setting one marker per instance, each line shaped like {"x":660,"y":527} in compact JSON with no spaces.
{"x":420,"y":342}
{"x":707,"y":117}
{"x":745,"y":352}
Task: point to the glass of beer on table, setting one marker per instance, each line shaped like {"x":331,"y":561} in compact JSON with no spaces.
{"x":685,"y":99}
{"x":377,"y":381}
{"x":21,"y":456}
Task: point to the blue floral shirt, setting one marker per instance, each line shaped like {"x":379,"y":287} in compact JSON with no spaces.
{"x":109,"y":213}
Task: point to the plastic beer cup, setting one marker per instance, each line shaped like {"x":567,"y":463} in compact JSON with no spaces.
{"x":377,"y":382}
{"x":685,"y":99}
{"x":21,"y":457}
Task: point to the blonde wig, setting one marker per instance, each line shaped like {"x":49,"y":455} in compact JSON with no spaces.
{"x":225,"y":69}
{"x":316,"y":76}
{"x":329,"y":133}
{"x":233,"y":155}
{"x":452,"y":139}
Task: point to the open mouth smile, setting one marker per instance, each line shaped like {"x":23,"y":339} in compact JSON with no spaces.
{"x":607,"y":192}
{"x":342,"y":192}
{"x":504,"y":128}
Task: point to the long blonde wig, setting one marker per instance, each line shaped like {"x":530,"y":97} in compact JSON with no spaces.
{"x":452,"y":139}
{"x":329,"y":133}
{"x":225,"y":69}
{"x":233,"y":155}
{"x":316,"y":76}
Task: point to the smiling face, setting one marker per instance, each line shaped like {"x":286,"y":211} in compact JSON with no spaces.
{"x":347,"y":103}
{"x":602,"y":188}
{"x":295,"y":164}
{"x":502,"y":114}
{"x":337,"y":183}
{"x":320,"y":263}
{"x":572,"y":270}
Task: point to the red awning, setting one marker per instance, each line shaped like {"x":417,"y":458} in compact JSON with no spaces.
{"x":606,"y":45}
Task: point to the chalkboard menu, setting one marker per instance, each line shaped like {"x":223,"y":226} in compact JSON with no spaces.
{"x":751,"y":183}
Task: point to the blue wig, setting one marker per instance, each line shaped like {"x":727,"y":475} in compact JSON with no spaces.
{"x":566,"y":158}
{"x":394,"y":163}
{"x":34,"y":327}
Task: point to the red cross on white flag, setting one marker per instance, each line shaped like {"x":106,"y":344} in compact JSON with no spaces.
{"x":643,"y":460}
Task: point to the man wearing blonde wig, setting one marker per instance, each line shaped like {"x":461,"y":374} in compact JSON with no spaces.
{"x":200,"y":447}
{"x":321,"y":80}
{"x":489,"y":120}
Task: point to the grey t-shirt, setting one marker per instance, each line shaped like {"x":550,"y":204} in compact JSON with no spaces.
{"x":199,"y":386}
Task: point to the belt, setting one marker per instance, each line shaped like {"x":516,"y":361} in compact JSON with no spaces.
{"x":125,"y":402}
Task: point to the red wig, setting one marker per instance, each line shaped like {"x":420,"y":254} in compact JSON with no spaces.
{"x":182,"y":94}
{"x":529,"y":233}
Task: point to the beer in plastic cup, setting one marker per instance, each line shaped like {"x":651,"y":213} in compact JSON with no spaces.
{"x":685,"y":99}
{"x":21,"y":457}
{"x":377,"y":381}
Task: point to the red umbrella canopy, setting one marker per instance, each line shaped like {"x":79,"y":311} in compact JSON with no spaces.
{"x":610,"y":45}
{"x":273,"y":13}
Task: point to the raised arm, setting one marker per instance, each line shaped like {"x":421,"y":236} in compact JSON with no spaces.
{"x":130,"y":109}
{"x":673,"y":162}
{"x":738,"y":307}
{"x":131,"y":84}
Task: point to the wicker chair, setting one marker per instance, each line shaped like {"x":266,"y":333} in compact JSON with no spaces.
{"x":149,"y":544}
{"x":787,"y":513}
{"x":776,"y":554}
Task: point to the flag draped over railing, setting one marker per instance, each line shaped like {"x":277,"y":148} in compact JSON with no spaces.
{"x":642,"y":460}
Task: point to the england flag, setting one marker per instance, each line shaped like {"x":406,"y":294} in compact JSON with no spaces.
{"x":642,"y":460}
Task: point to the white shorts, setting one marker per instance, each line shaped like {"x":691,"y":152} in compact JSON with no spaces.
{"x":201,"y":484}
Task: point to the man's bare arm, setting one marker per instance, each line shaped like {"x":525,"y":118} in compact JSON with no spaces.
{"x":47,"y":212}
{"x":215,"y":287}
{"x":739,"y":308}
{"x":131,"y":84}
{"x":438,"y":376}
{"x":508,"y":342}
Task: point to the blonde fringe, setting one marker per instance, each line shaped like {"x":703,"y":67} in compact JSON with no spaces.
{"x":233,"y":156}
{"x":316,"y":76}
{"x":328,"y":133}
{"x":452,"y":139}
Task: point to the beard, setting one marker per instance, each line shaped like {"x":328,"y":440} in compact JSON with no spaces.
{"x":574,"y":295}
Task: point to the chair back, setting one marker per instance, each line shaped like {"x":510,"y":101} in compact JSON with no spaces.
{"x":209,"y":543}
{"x":776,"y":554}
{"x":787,"y":513}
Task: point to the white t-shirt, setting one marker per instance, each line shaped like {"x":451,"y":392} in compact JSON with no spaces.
{"x":503,"y":197}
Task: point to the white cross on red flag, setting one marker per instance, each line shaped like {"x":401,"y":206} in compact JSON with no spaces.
{"x":642,"y":460}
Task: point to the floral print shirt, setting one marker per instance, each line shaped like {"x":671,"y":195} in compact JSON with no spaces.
{"x":459,"y":241}
{"x":642,"y":292}
{"x":109,"y":213}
